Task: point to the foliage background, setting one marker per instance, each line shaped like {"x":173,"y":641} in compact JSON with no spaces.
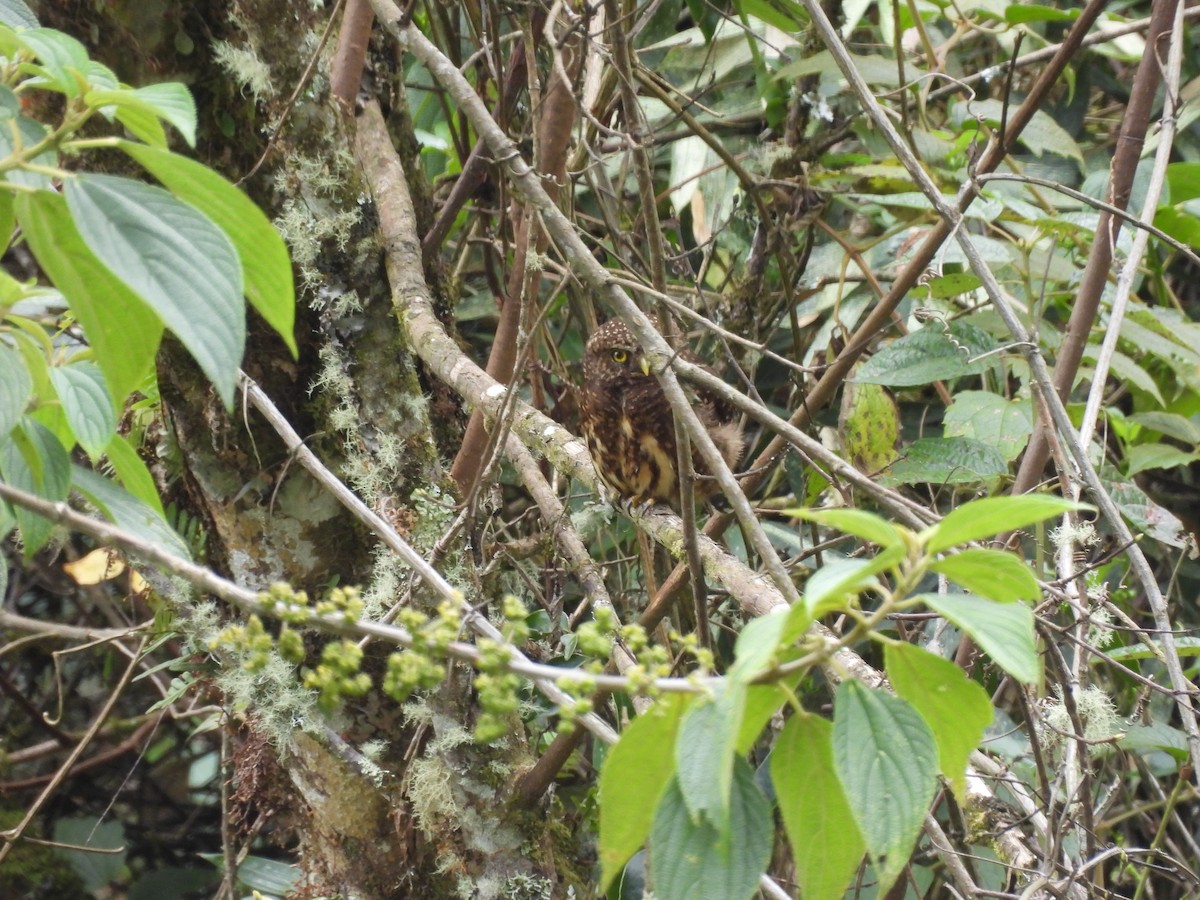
{"x":720,"y":170}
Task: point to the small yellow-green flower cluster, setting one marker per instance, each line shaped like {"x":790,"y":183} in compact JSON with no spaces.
{"x":250,"y":641}
{"x":422,"y":665}
{"x":497,"y":687}
{"x":338,"y":675}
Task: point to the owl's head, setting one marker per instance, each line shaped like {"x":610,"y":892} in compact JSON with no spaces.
{"x":613,"y":355}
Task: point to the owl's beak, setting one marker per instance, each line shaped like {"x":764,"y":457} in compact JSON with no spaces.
{"x":644,"y":364}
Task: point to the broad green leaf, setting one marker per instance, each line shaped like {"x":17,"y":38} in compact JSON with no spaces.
{"x":1003,"y":630}
{"x":995,"y":574}
{"x":1018,"y":13}
{"x":63,"y":60}
{"x":827,"y":588}
{"x":788,"y":17}
{"x":756,"y":644}
{"x":886,"y":760}
{"x":17,"y":14}
{"x":176,"y":259}
{"x":173,"y":103}
{"x":16,"y":387}
{"x":123,"y":332}
{"x":264,"y":256}
{"x":132,"y":472}
{"x":956,"y":709}
{"x":636,"y":772}
{"x":1157,"y":456}
{"x":820,"y":825}
{"x":991,"y":419}
{"x":935,"y":352}
{"x":1127,"y":369}
{"x":857,"y":522}
{"x":949,"y":460}
{"x":869,"y":424}
{"x":140,"y":117}
{"x":127,"y":512}
{"x":761,"y":703}
{"x":96,"y":870}
{"x":1145,"y":515}
{"x":695,"y":859}
{"x":1170,"y":424}
{"x":993,"y":515}
{"x":267,"y":876}
{"x":29,"y":133}
{"x":1185,"y":646}
{"x":1183,"y":179}
{"x":705,"y":751}
{"x":32,"y":459}
{"x":1143,"y":739}
{"x":8,"y":221}
{"x":874,"y":69}
{"x":84,"y":396}
{"x":952,"y":285}
{"x":1041,"y":134}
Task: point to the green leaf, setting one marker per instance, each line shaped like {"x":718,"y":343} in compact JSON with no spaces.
{"x":1042,"y":133}
{"x":16,"y":387}
{"x":820,"y":826}
{"x":1185,"y":646}
{"x":176,"y":259}
{"x":136,"y":114}
{"x":133,"y":473}
{"x":1144,"y":739}
{"x":16,"y":14}
{"x":952,"y":285}
{"x":84,"y":396}
{"x":1128,"y":370}
{"x":991,"y":419}
{"x":1034,"y":12}
{"x":762,"y":702}
{"x":995,"y":574}
{"x":857,"y":522}
{"x":127,"y":512}
{"x":32,"y":459}
{"x":64,"y":60}
{"x":29,"y":133}
{"x":267,"y":876}
{"x":829,"y":586}
{"x":869,"y":424}
{"x":873,"y":68}
{"x":263,"y":253}
{"x":956,"y":709}
{"x":635,"y":775}
{"x":8,"y":222}
{"x":1170,"y":424}
{"x":95,"y":870}
{"x":173,"y":103}
{"x":1157,"y":456}
{"x":1003,"y":630}
{"x":695,"y":859}
{"x":755,"y":648}
{"x":951,"y":460}
{"x":886,"y":760}
{"x":993,"y":515}
{"x":123,"y":332}
{"x":706,"y":749}
{"x":1183,"y":180}
{"x":935,"y":352}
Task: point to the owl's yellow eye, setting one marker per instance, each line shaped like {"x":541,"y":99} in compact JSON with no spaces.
{"x":620,"y":357}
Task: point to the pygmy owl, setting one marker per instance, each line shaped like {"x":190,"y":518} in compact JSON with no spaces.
{"x":628,"y":425}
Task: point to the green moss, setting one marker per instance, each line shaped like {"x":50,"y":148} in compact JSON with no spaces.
{"x":35,"y":871}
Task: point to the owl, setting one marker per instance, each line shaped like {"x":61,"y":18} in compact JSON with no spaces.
{"x":628,"y":425}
